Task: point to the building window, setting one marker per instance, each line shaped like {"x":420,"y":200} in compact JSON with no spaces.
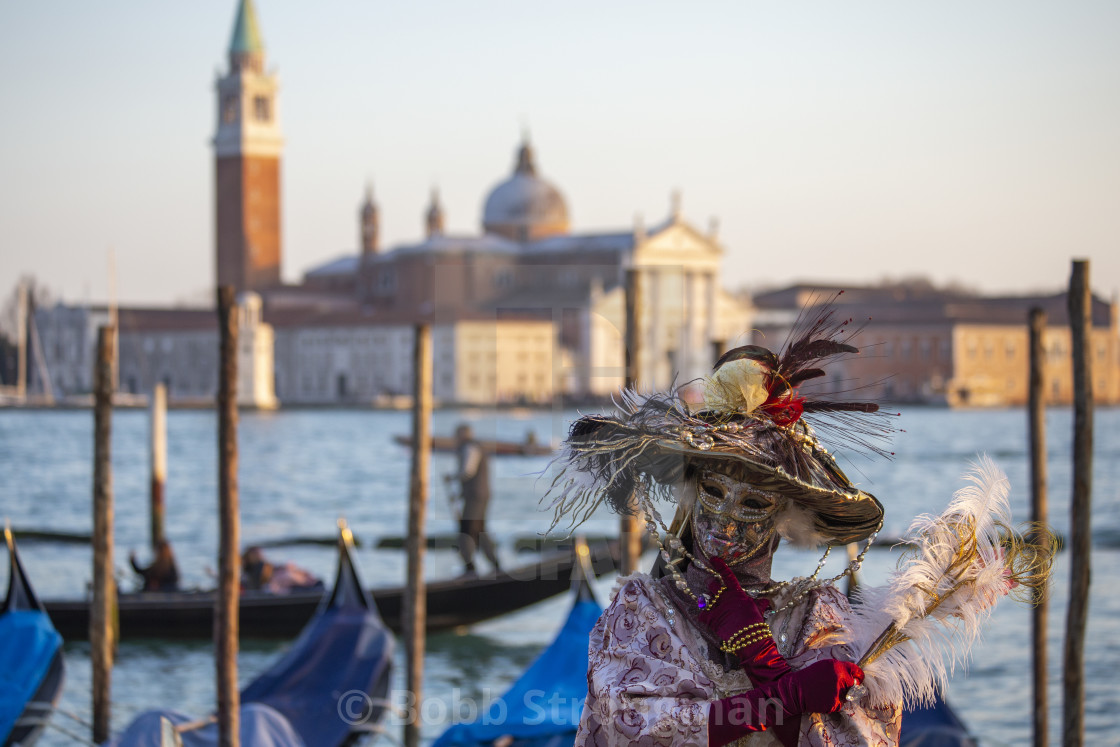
{"x":229,"y":109}
{"x":1010,"y":349}
{"x":262,"y":108}
{"x":926,"y":345}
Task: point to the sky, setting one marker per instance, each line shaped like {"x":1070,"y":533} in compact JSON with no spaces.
{"x":969,"y":142}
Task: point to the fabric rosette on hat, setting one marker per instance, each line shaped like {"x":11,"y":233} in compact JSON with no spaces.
{"x":754,"y":416}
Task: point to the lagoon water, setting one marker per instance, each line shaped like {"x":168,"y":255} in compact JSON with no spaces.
{"x":301,"y":470}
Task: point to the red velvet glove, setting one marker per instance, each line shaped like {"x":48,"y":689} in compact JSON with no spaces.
{"x":736,"y":610}
{"x":818,"y":688}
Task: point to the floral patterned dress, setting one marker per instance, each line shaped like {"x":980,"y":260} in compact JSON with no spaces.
{"x":650,"y":675}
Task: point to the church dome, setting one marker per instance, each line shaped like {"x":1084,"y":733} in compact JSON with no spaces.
{"x":525,"y":206}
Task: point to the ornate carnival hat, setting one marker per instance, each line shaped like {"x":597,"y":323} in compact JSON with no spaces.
{"x":753,"y":415}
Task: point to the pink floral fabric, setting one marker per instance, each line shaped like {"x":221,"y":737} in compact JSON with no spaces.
{"x":650,"y":677}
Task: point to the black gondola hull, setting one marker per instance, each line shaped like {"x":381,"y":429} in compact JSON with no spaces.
{"x":452,"y":603}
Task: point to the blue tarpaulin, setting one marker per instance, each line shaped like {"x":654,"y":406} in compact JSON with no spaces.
{"x":547,"y":701}
{"x":261,"y":726}
{"x":301,"y":700}
{"x":28,"y":643}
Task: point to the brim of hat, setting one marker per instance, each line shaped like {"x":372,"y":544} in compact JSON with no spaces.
{"x":841,"y":516}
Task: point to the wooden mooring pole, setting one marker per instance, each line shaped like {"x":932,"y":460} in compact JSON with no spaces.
{"x":158,"y":433}
{"x":415,"y":595}
{"x":21,"y":341}
{"x":1081,"y":326}
{"x":1036,"y":416}
{"x":229,"y":557}
{"x":101,"y":638}
{"x":629,"y":531}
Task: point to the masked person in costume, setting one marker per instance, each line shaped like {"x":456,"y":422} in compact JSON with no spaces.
{"x":709,"y":649}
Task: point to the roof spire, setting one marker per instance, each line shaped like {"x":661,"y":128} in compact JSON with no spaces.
{"x":246,"y":46}
{"x":433,"y":219}
{"x":675,"y":205}
{"x":525,"y":165}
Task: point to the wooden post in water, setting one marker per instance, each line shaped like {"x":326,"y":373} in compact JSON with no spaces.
{"x":629,"y":537}
{"x":415,"y":595}
{"x":21,"y":341}
{"x":1036,"y":416}
{"x":226,"y":621}
{"x":158,"y":428}
{"x":104,"y":588}
{"x":1081,"y":327}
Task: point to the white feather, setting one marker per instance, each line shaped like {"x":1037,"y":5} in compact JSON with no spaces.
{"x":939,"y":638}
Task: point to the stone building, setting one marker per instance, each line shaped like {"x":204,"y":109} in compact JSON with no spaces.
{"x":347,"y":359}
{"x":174,"y":347}
{"x":924,"y":345}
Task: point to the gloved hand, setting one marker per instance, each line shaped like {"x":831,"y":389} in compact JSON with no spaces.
{"x":818,"y":688}
{"x":737,"y":611}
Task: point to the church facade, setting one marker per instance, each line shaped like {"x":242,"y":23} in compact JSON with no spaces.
{"x":526,"y":264}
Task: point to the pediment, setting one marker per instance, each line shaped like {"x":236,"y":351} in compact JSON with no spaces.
{"x":678,"y":243}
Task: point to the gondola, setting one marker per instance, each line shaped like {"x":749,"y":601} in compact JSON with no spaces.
{"x":31,"y":665}
{"x":543,"y":707}
{"x":452,"y":603}
{"x":345,"y":649}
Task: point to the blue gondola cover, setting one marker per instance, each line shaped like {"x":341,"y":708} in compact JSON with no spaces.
{"x":936,"y":725}
{"x":28,"y":643}
{"x":296,"y":702}
{"x":30,"y":657}
{"x":261,"y":726}
{"x":547,"y":701}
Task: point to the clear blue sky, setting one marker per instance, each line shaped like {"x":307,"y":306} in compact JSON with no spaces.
{"x":977,"y":142}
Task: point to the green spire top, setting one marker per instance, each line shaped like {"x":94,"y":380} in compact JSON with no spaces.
{"x":246,"y":38}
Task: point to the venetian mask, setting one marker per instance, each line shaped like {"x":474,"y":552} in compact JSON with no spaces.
{"x":732,"y":519}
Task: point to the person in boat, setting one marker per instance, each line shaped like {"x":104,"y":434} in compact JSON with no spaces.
{"x":162,"y":574}
{"x":258,"y":574}
{"x":710,"y":649}
{"x":473,"y":476}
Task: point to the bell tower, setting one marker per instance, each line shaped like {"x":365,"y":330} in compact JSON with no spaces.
{"x":368,"y":223}
{"x":247,"y":150}
{"x":433,"y":219}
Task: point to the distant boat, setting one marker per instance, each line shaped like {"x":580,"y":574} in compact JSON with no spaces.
{"x":554,"y":685}
{"x":31,"y":665}
{"x":451,"y":603}
{"x":346,"y":648}
{"x":528,"y":447}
